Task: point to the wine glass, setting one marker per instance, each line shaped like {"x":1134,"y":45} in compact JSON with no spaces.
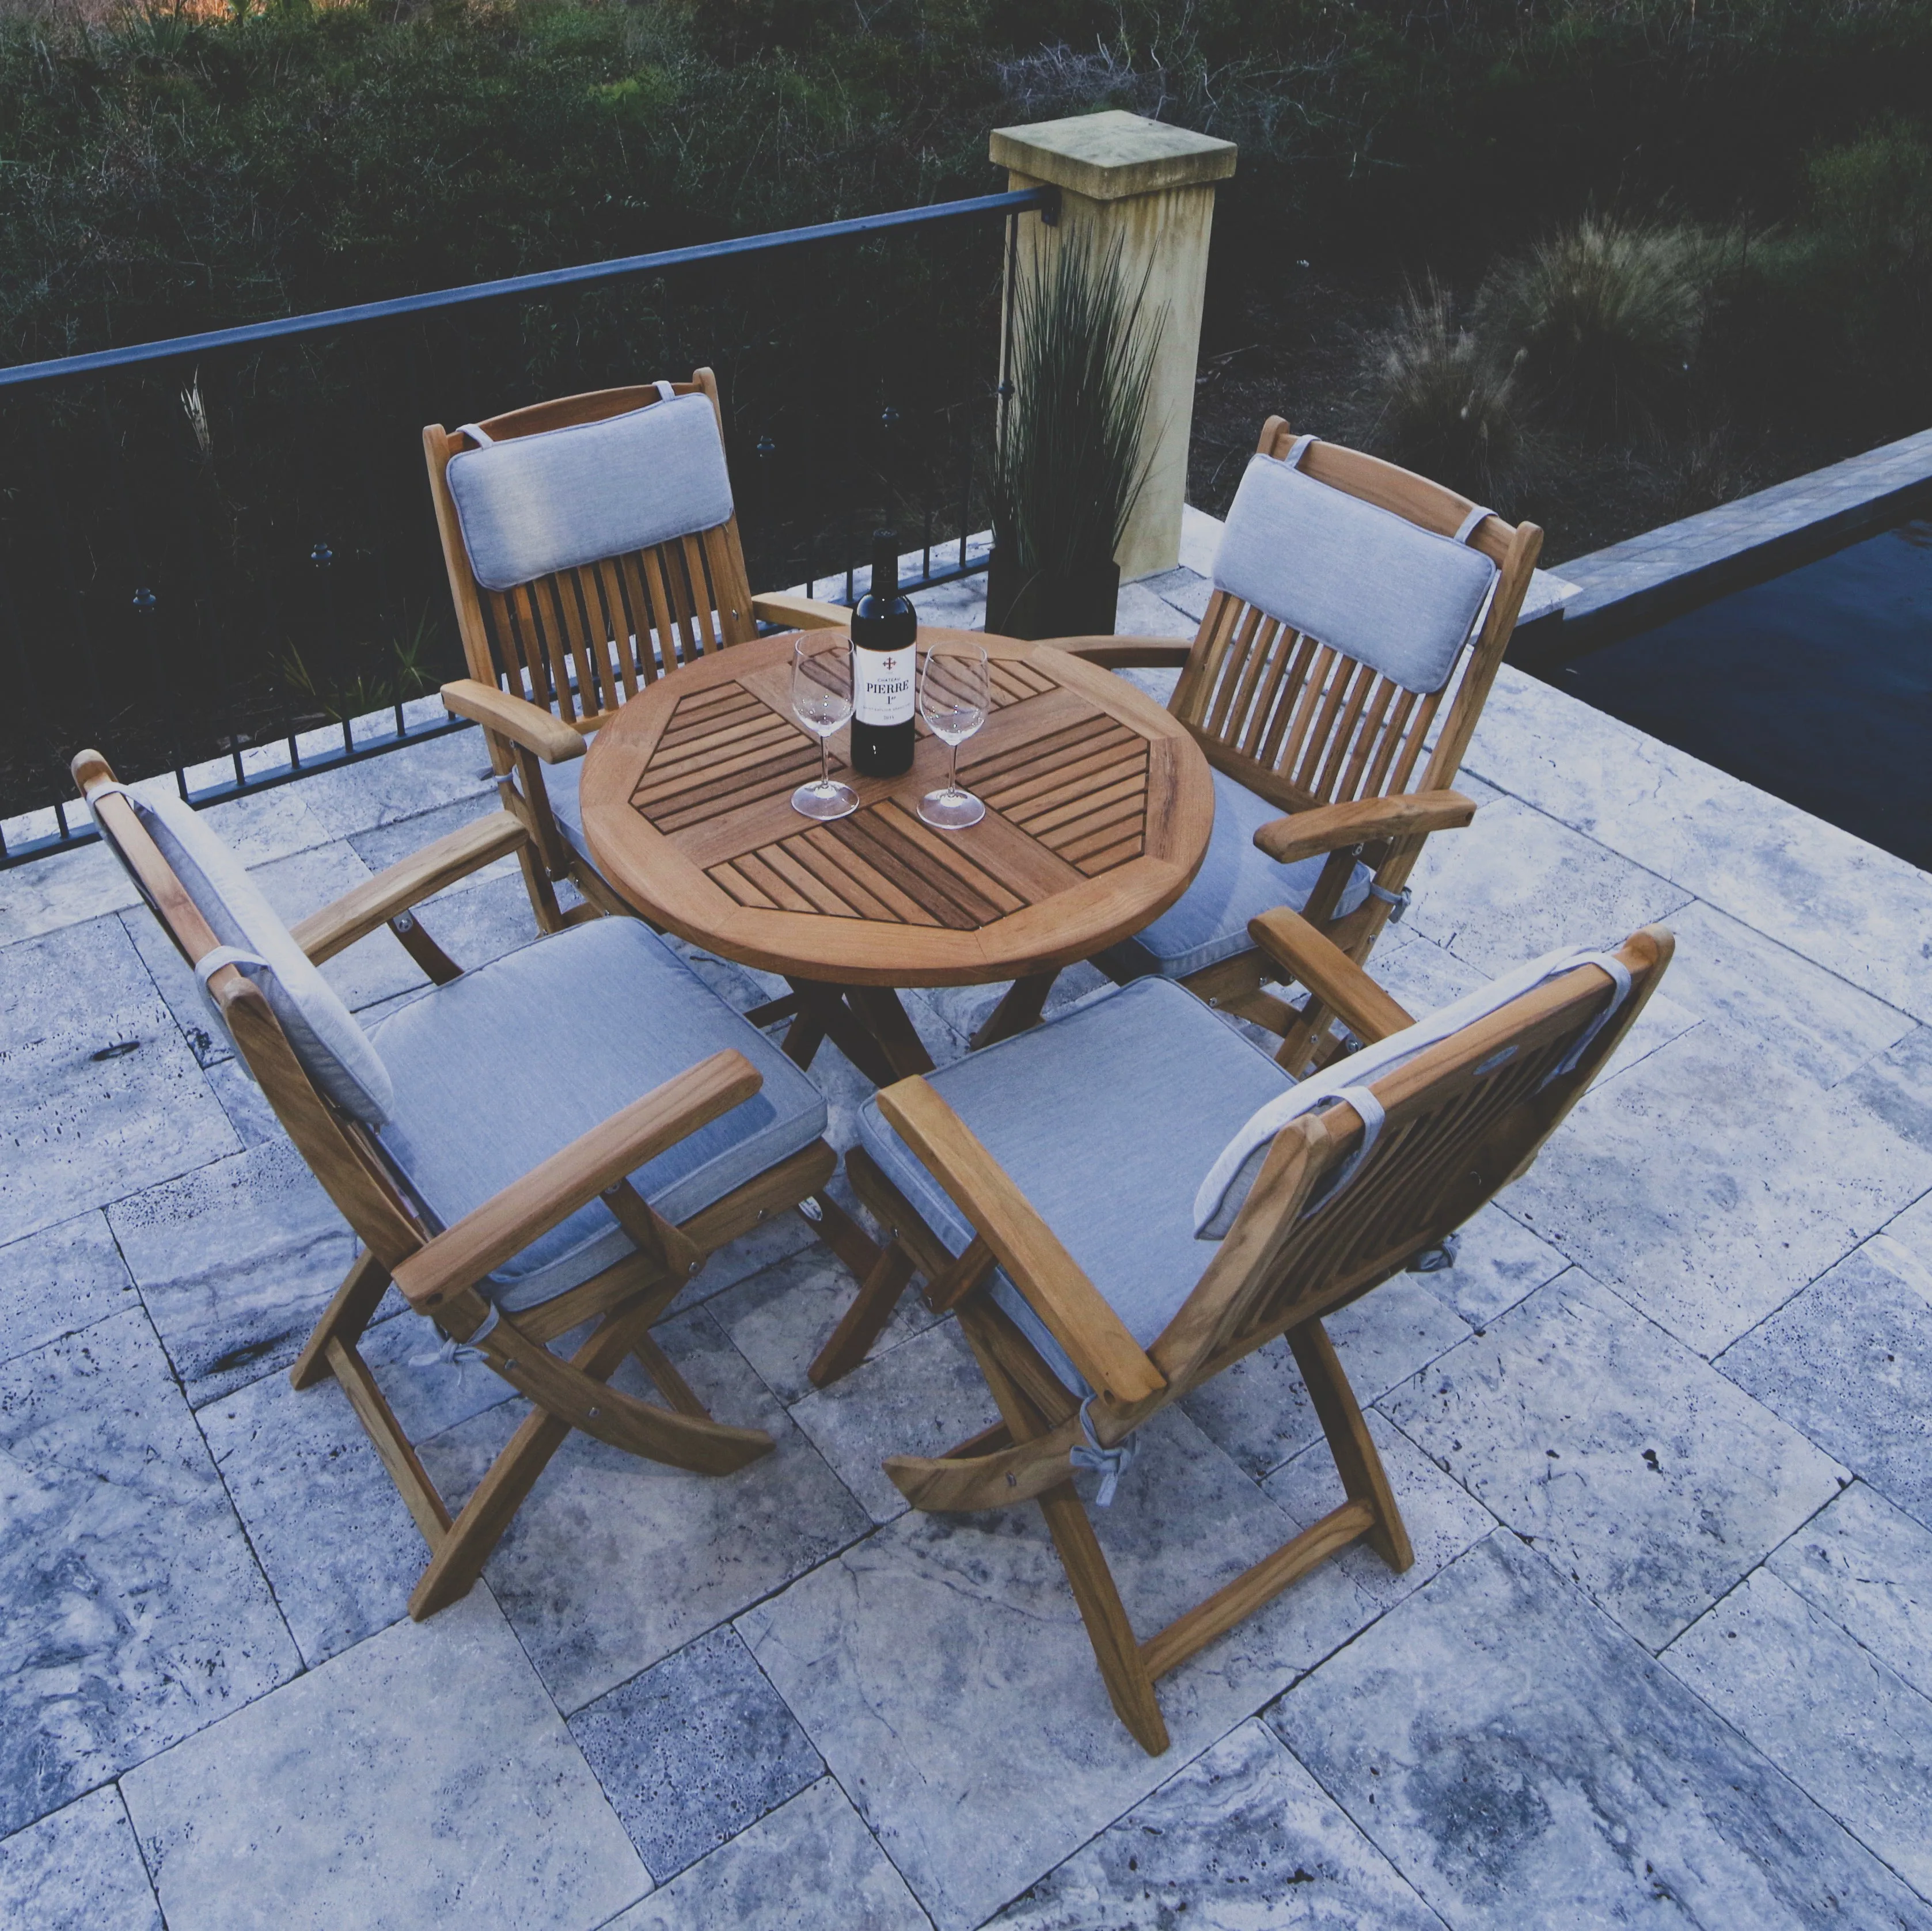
{"x":821,"y":699}
{"x":954,"y":697}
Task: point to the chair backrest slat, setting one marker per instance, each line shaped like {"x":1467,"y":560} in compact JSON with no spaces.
{"x":581,"y":641}
{"x":1463,"y":1117}
{"x":1292,"y":715}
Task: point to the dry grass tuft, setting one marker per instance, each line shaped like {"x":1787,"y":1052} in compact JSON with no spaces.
{"x":1449,"y":409}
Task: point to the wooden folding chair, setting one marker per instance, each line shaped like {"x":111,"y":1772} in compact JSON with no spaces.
{"x":551,"y":658}
{"x":1049,"y":1188}
{"x":1293,"y":724}
{"x":515,"y":1177}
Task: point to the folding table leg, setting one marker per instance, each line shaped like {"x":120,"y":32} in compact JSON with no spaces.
{"x":1024,"y":1001}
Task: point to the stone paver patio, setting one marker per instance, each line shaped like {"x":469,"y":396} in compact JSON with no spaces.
{"x":1663,"y":1437}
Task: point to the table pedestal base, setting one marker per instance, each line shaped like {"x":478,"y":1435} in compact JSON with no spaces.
{"x":869,"y":1024}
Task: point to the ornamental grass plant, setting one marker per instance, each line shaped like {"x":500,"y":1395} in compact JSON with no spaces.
{"x":1071,"y":456}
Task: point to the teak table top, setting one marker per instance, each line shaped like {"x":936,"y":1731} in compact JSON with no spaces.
{"x":1099,"y":809}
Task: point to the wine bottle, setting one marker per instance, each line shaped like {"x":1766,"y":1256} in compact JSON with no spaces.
{"x":885,"y":633}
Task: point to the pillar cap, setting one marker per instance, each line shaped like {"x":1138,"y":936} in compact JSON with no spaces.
{"x":1109,"y":156}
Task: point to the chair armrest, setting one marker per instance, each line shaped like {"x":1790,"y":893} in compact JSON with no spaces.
{"x":1076,"y":1310}
{"x":408,"y":882}
{"x":779,"y":606}
{"x":517,"y":719}
{"x":1328,"y":828}
{"x":1305,"y":956}
{"x":507,"y":1222}
{"x":1128,"y":653}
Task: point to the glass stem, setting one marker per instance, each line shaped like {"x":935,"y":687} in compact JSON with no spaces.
{"x":953,"y":777}
{"x":824,"y":762}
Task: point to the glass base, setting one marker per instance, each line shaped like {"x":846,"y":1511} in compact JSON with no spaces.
{"x":952,"y":810}
{"x":825,"y":798}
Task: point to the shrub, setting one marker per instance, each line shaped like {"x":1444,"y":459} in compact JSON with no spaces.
{"x":1449,"y":409}
{"x":1608,"y":315}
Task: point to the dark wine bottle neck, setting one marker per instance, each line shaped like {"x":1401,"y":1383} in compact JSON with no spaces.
{"x":885,"y":567}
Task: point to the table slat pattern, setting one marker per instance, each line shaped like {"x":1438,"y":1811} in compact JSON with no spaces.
{"x":1067,"y":783}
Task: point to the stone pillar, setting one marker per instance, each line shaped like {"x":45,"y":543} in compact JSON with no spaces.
{"x":1151,"y":186}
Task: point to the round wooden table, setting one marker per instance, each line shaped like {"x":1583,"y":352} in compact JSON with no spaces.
{"x":1099,"y":806}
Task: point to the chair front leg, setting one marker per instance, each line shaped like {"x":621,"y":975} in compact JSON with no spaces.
{"x":1117,"y":1650}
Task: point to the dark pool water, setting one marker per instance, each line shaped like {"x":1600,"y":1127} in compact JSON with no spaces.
{"x":1816,"y":686}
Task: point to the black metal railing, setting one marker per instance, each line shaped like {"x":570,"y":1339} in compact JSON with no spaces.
{"x":218,"y":556}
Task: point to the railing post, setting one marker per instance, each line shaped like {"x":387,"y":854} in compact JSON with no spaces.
{"x":1152,"y":186}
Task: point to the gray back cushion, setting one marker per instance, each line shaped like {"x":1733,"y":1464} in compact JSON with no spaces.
{"x":532,"y":504}
{"x":334,"y":1050}
{"x":1358,"y":577}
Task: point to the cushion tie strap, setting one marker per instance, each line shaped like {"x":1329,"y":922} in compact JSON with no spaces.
{"x":209,"y":964}
{"x":482,"y":439}
{"x":1399,"y":900}
{"x":665,"y":392}
{"x":1298,"y":449}
{"x":1109,"y":1464}
{"x":1470,"y":523}
{"x":1372,"y":1115}
{"x":1620,"y":975}
{"x":1437,"y":1258}
{"x":458,"y":1354}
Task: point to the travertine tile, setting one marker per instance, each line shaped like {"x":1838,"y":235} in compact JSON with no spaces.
{"x":236,"y":1262}
{"x":1442,"y":1517}
{"x":693,"y":1750}
{"x":1845,"y":905}
{"x":131,"y":1610}
{"x":614,"y":1562}
{"x":81,"y":1129}
{"x":810,"y":1866}
{"x":1708,"y":1183}
{"x":1868,"y":1566}
{"x":1847,"y":1731}
{"x":919,"y":1399}
{"x":1497,"y":1262}
{"x":1515,"y":883}
{"x":1635,"y":1466}
{"x":56,"y":1282}
{"x":1897,"y":1085}
{"x":779,"y":1317}
{"x":1523,"y":1762}
{"x":942,"y":1670}
{"x":1259,"y":1410}
{"x":339,"y":1547}
{"x":1850,"y":1361}
{"x":244,"y":1102}
{"x":265,"y":826}
{"x":1242,"y":1838}
{"x":77,"y":1870}
{"x":401,"y":783}
{"x":63,"y":890}
{"x":1812,"y":1019}
{"x":422,"y":1777}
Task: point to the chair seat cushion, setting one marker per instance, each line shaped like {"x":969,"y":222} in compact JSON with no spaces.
{"x":563,"y":786}
{"x":1106,"y":1119}
{"x":1236,"y":883}
{"x":505,"y":1067}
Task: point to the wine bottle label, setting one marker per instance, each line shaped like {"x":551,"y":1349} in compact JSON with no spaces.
{"x":882,"y":686}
